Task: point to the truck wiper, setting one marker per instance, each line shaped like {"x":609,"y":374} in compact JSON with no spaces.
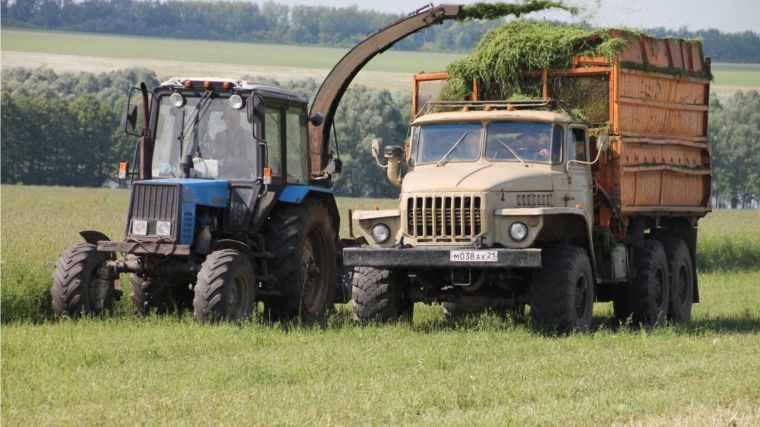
{"x":513,"y":152}
{"x":445,"y":156}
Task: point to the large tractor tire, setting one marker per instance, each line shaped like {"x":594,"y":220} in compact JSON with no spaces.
{"x":377,"y":295}
{"x":226,"y":288}
{"x":681,"y":279}
{"x":562,"y":290}
{"x":74,"y":291}
{"x":302,"y":239}
{"x":645,"y":300}
{"x":159,"y":296}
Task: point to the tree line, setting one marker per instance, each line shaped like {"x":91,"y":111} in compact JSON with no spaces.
{"x":62,"y":129}
{"x":274,"y":23}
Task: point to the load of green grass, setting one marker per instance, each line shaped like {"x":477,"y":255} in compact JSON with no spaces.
{"x":504,"y":53}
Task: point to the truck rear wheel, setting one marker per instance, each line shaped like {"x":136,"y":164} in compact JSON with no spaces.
{"x":562,"y":291}
{"x":75,"y":288}
{"x":377,"y":295}
{"x":303,"y":241}
{"x":681,"y":279}
{"x":226,"y":289}
{"x":646,"y":299}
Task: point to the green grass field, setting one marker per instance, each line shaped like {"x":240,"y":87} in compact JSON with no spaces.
{"x":110,"y":46}
{"x":483,"y":370}
{"x":743,"y":75}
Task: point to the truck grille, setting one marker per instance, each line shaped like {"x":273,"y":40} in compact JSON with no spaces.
{"x":534,"y":199}
{"x":444,"y":216}
{"x":155,"y":202}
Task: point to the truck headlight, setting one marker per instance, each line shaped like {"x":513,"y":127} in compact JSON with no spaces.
{"x":518,"y":231}
{"x":164,"y":228}
{"x":381,"y":233}
{"x":140,"y":227}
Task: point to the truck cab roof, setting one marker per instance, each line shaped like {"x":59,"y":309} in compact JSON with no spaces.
{"x":495,"y":115}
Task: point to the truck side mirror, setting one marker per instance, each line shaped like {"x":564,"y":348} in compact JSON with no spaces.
{"x":394,"y":152}
{"x":375,"y":148}
{"x":256,"y":109}
{"x":128,"y":117}
{"x":602,"y":142}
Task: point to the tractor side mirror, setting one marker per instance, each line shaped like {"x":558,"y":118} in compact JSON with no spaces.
{"x":602,"y":142}
{"x":256,"y":109}
{"x":128,"y":117}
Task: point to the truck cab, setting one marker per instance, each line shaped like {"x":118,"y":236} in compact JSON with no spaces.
{"x":489,"y":191}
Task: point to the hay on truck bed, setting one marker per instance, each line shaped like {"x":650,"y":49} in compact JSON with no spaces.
{"x":508,"y":63}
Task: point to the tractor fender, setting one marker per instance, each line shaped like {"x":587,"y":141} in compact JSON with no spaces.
{"x":233,"y":244}
{"x":93,"y":237}
{"x":297,"y":193}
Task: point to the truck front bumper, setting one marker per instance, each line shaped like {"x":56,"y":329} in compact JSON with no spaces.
{"x":417,"y":257}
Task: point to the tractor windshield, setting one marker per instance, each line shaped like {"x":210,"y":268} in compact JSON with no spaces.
{"x":217,"y":137}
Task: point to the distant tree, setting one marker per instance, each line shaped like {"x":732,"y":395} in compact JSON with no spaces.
{"x":734,"y":130}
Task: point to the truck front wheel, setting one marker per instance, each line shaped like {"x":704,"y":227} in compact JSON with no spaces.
{"x":77,"y":289}
{"x":645,"y":300}
{"x":377,"y":295}
{"x":226,"y":289}
{"x":562,"y":291}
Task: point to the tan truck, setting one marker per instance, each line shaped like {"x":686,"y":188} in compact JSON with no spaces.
{"x":505,"y":204}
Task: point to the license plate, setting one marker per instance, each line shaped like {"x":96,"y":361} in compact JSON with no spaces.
{"x":477,"y":256}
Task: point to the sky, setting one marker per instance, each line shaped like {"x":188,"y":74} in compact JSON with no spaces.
{"x":725,"y":15}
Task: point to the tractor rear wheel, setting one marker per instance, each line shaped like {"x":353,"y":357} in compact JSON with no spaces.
{"x":302,"y":238}
{"x":226,"y":288}
{"x":76,"y":288}
{"x":562,"y":290}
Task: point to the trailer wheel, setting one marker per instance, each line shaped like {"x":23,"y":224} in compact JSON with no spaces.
{"x":646,"y":299}
{"x":681,"y":278}
{"x":562,"y":290}
{"x":226,"y":289}
{"x":75,"y":290}
{"x":149,"y":295}
{"x":303,"y":241}
{"x":377,"y":295}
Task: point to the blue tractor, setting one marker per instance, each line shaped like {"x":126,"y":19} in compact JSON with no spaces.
{"x":226,"y":212}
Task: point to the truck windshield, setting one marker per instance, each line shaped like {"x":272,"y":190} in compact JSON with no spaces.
{"x":447,"y":143}
{"x":529,"y":142}
{"x":217,"y":137}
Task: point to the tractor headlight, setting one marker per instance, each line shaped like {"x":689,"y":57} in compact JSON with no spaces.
{"x":381,"y":233}
{"x":518,"y":231}
{"x":164,"y":228}
{"x":140,"y":227}
{"x":176,"y":100}
{"x":236,"y":102}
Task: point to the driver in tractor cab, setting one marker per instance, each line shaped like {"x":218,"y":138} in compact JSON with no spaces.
{"x":233,"y":146}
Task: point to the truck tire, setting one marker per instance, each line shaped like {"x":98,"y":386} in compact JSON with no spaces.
{"x":645,"y":300}
{"x":377,"y":295}
{"x":303,"y":241}
{"x":681,"y":278}
{"x":148,"y":295}
{"x":562,"y":290}
{"x":74,"y":274}
{"x":226,"y":289}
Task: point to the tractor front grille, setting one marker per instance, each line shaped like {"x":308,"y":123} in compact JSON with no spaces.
{"x":155,"y":202}
{"x":444,"y":217}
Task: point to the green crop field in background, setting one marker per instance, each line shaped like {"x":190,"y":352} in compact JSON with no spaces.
{"x":483,"y":370}
{"x":130,"y":47}
{"x":737,"y":75}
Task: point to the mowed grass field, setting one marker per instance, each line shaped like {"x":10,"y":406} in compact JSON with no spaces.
{"x":481,"y":371}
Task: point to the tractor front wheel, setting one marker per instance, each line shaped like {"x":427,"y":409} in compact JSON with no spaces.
{"x":226,"y":289}
{"x":77,"y":289}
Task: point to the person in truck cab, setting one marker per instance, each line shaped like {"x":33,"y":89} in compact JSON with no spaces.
{"x":537,"y":148}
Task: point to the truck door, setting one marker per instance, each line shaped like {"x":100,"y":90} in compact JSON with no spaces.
{"x":579,"y":174}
